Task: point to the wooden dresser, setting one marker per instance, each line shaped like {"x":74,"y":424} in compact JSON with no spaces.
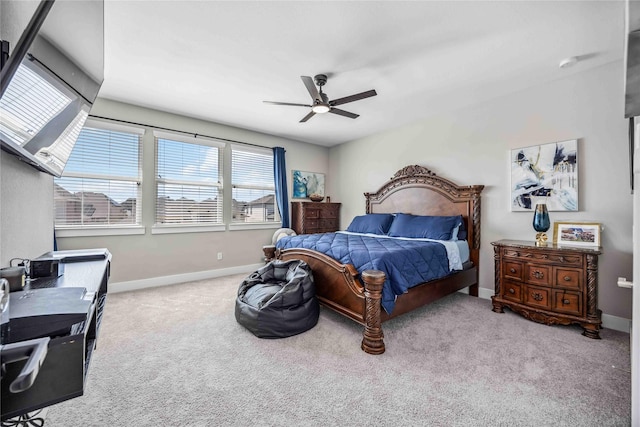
{"x":312,"y":217}
{"x":548,"y":284}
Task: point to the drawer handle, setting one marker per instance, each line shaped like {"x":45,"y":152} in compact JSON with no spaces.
{"x":567,"y":278}
{"x":536,"y":296}
{"x":511,"y":291}
{"x":512,"y":270}
{"x":538,"y":274}
{"x":565,"y":301}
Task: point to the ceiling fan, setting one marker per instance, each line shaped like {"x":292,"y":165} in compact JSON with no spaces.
{"x":321,"y":103}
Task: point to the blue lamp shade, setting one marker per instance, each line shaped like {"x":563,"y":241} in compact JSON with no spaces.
{"x":541,"y":222}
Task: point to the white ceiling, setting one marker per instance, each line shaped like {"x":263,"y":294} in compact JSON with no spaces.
{"x":219,"y":60}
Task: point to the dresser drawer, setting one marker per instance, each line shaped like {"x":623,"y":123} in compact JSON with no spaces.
{"x":536,"y":296}
{"x":568,"y":278}
{"x":329,"y":212}
{"x":329,"y":224}
{"x":512,"y":291}
{"x":567,"y":302}
{"x":512,"y":270}
{"x":311,"y":213}
{"x":538,"y":274}
{"x":311,"y":223}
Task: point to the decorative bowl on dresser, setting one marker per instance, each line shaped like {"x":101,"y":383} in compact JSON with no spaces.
{"x":548,"y":284}
{"x":312,"y":217}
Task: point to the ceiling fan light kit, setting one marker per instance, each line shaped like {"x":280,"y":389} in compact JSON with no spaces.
{"x":321,"y":103}
{"x":320,"y":108}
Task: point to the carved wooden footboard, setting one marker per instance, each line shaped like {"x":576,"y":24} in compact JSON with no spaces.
{"x":338,"y":288}
{"x":414,"y":190}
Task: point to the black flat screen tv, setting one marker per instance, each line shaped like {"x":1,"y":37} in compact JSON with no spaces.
{"x":50,"y":81}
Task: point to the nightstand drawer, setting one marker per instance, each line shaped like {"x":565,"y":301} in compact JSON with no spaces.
{"x":512,"y":270}
{"x":535,"y":296}
{"x":568,"y":278}
{"x":567,"y":302}
{"x":538,"y":274}
{"x":512,"y":292}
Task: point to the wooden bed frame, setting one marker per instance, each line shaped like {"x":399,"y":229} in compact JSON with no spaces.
{"x":414,"y":190}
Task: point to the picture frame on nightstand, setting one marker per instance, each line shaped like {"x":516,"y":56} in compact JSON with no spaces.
{"x":576,"y":233}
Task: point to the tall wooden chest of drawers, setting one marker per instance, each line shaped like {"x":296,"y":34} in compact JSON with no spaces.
{"x":548,"y":284}
{"x":312,"y":217}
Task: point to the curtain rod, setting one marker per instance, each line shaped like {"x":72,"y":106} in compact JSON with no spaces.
{"x":195,"y":135}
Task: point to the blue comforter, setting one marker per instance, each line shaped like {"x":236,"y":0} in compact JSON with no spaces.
{"x":406,"y":263}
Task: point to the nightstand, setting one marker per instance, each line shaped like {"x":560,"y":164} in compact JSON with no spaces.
{"x":548,"y":284}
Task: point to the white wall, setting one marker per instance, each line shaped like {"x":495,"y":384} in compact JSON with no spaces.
{"x":140,"y":257}
{"x":26,"y":210}
{"x":471,"y":146}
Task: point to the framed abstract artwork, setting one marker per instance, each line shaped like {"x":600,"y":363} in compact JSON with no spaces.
{"x":546,"y":173}
{"x":307,"y":183}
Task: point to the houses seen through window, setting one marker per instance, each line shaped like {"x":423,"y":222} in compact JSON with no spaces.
{"x":188,"y":181}
{"x":102,"y":182}
{"x":100,"y":185}
{"x":253,"y":185}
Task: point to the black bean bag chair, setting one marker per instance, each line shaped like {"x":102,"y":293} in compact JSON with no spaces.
{"x":278,"y":300}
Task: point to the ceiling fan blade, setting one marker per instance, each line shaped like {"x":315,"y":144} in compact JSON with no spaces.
{"x":344,"y":113}
{"x":286,"y":103}
{"x":311,"y":87}
{"x":307,"y":117}
{"x":352,"y":98}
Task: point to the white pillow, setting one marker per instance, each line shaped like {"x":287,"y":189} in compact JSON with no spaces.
{"x":280,"y":233}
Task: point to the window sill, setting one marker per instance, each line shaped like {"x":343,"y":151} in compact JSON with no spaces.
{"x":174,"y":229}
{"x":99,"y":231}
{"x":254,"y":226}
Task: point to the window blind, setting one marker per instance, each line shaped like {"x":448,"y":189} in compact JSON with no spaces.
{"x":29,"y":103}
{"x":253,"y":186}
{"x":101,"y":182}
{"x":188,"y":182}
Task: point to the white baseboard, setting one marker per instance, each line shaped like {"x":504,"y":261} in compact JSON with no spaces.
{"x":616,"y":323}
{"x":608,"y":321}
{"x":133,"y":285}
{"x":485,"y":293}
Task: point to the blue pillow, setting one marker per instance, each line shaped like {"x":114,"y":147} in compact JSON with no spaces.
{"x":429,"y":227}
{"x":462,"y":231}
{"x":371,"y":223}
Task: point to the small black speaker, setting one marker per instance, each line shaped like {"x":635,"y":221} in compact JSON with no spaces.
{"x":44,"y":268}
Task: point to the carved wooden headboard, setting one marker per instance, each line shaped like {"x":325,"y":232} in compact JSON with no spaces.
{"x":418,"y":191}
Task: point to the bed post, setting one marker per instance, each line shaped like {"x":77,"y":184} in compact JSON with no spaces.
{"x":475,"y":246}
{"x":372,"y":341}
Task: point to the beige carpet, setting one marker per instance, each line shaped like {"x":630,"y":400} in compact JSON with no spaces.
{"x":175,"y":356}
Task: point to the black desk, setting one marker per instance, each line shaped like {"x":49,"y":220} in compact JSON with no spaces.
{"x":64,"y":370}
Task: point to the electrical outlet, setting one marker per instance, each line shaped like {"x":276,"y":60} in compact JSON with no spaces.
{"x":219,"y":256}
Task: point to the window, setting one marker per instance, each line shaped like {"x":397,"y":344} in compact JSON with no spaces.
{"x":101,"y":183}
{"x":253,"y":185}
{"x":188,"y":180}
